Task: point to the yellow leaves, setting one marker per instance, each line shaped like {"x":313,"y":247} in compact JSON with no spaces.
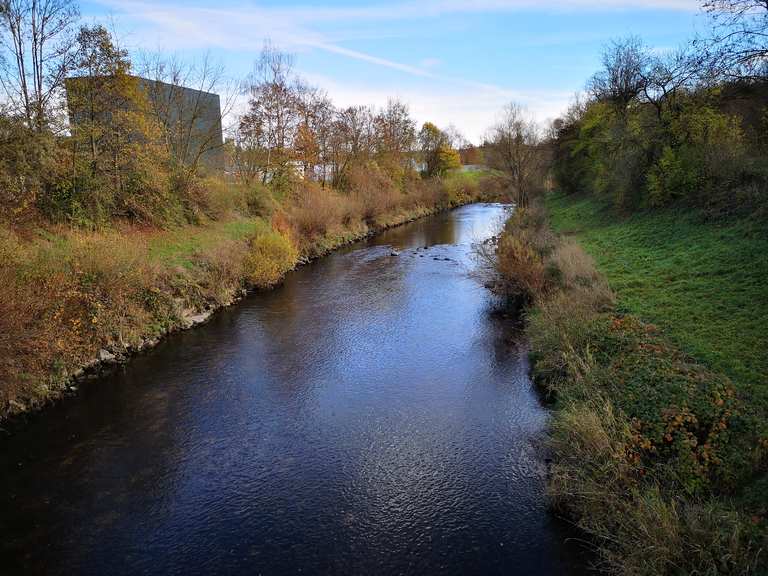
{"x":271,"y":256}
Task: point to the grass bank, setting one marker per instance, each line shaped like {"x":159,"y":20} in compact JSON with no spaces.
{"x":703,"y":283}
{"x":73,"y":299}
{"x":659,"y":441}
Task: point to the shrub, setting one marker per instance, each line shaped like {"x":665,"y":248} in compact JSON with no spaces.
{"x":647,"y":444}
{"x":271,"y":256}
{"x":521,"y":251}
{"x":259,"y":201}
{"x":221,"y":270}
{"x":372,"y":190}
{"x":151,"y":197}
{"x":28,"y":165}
{"x":317,"y":210}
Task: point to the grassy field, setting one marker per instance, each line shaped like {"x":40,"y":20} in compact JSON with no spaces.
{"x":703,"y":284}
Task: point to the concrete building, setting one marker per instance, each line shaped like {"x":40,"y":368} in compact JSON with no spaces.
{"x":191,"y":119}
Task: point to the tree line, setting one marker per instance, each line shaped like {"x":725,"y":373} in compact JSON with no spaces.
{"x":687,"y":126}
{"x":289,"y":123}
{"x":83,"y":139}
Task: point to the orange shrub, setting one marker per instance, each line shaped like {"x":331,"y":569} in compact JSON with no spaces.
{"x":317,"y":210}
{"x":373,"y":191}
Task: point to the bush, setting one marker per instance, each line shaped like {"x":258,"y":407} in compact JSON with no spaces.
{"x":521,"y":251}
{"x":259,"y":201}
{"x":28,"y":164}
{"x":373,"y":191}
{"x":271,"y":256}
{"x":317,"y":210}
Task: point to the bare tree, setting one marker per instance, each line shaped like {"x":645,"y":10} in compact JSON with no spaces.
{"x":395,"y":130}
{"x":315,"y":112}
{"x":251,"y":150}
{"x":352,"y":139}
{"x":515,"y":144}
{"x":36,"y":45}
{"x":185,"y":98}
{"x":623,"y":75}
{"x":667,"y":76}
{"x":741,"y":34}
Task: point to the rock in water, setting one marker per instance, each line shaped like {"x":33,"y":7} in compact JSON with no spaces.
{"x":106,"y":356}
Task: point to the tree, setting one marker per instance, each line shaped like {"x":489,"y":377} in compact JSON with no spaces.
{"x":668,"y":76}
{"x":741,"y":32}
{"x":515,"y":144}
{"x":183,"y":97}
{"x":395,"y":136}
{"x":447,"y":159}
{"x":437,"y":150}
{"x":623,"y":75}
{"x":101,"y":89}
{"x":116,"y":150}
{"x":315,"y":112}
{"x":352,"y":140}
{"x":471,"y":154}
{"x":36,"y":47}
{"x":272,"y":120}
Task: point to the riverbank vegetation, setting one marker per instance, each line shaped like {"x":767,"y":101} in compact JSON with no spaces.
{"x":658,"y":455}
{"x":643,"y":272}
{"x":120,"y":220}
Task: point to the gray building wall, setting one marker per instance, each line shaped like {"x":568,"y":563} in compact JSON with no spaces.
{"x":191,"y":119}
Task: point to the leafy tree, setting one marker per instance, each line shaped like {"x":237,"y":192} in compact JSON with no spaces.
{"x":447,"y":159}
{"x":436,"y":150}
{"x":118,"y":164}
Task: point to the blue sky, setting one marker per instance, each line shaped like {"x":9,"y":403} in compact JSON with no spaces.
{"x":453,"y":61}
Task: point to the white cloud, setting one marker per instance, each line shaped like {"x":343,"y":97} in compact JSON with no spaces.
{"x":430,"y":62}
{"x":468,"y":104}
{"x":472,"y":110}
{"x":410,"y":10}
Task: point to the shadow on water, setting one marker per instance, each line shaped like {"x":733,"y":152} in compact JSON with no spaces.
{"x":369,"y":416}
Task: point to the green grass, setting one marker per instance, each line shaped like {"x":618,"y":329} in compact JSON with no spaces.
{"x":704,"y":284}
{"x":179,"y":247}
{"x":474,"y":176}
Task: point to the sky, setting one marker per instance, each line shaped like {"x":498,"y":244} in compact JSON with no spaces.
{"x":454,"y":62}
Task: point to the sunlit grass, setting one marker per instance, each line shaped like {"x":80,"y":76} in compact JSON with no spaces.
{"x":703,"y":283}
{"x":180,"y":246}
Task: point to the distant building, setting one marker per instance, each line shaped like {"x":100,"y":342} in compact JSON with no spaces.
{"x":191,"y":118}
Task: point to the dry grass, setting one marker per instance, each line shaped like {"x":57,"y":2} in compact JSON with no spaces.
{"x":66,"y":295}
{"x":373,"y":191}
{"x":316,"y":211}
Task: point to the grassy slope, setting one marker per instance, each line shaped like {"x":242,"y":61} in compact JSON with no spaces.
{"x":704,"y":284}
{"x":179,"y":246}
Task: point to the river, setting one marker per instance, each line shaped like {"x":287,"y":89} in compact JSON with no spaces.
{"x":369,"y":416}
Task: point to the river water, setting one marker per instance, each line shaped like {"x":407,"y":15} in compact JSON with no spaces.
{"x":370,"y":416}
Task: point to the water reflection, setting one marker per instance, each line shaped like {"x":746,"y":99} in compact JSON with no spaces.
{"x":368,"y":416}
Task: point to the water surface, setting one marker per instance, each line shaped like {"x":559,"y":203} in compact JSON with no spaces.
{"x":370,"y":416}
